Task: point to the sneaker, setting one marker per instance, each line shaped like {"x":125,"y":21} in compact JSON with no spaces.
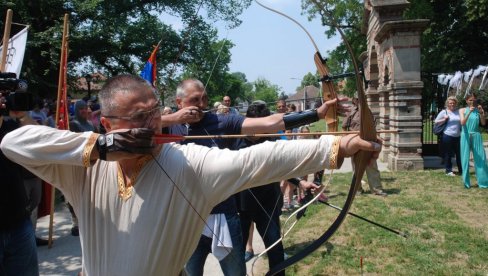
{"x":294,"y":204}
{"x":41,"y":242}
{"x":248,"y":255}
{"x":75,"y":231}
{"x":450,"y":174}
{"x":380,"y":193}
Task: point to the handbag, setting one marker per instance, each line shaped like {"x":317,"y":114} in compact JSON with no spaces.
{"x":439,"y":128}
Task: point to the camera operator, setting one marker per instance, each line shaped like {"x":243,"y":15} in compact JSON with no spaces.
{"x":18,"y":251}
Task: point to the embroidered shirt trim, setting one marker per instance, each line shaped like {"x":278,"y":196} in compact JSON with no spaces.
{"x":334,"y":153}
{"x":88,"y":149}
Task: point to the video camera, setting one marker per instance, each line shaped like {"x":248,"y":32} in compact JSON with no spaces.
{"x":15,"y":92}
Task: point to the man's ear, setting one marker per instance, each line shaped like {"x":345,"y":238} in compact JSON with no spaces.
{"x":106,"y":124}
{"x":178,"y":102}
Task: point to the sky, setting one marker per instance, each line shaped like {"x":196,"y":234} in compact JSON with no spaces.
{"x":270,"y":46}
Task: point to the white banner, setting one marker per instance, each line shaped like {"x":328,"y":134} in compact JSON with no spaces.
{"x":15,"y":52}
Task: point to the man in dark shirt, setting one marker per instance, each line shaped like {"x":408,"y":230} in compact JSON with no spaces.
{"x":18,"y":251}
{"x":191,"y":119}
{"x":262,"y":205}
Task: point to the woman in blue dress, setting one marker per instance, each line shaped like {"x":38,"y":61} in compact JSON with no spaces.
{"x":471,"y":117}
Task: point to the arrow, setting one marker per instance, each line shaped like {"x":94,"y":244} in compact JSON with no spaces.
{"x":169,"y":138}
{"x":367,"y":220}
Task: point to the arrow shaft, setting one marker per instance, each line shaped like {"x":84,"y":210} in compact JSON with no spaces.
{"x":163,"y":137}
{"x":367,"y":220}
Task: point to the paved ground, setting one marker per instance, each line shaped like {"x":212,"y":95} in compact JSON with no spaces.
{"x":64,"y":258}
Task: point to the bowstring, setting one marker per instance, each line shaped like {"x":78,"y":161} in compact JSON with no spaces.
{"x":224,"y":41}
{"x":147,"y":125}
{"x":193,"y":207}
{"x":284,"y":232}
{"x":260,"y":205}
{"x":185,"y":38}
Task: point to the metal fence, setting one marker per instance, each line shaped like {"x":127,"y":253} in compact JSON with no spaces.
{"x":433,"y":98}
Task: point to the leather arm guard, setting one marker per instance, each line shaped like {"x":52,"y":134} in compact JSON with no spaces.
{"x":296,"y":119}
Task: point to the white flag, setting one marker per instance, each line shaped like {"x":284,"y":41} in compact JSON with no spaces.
{"x":15,"y":52}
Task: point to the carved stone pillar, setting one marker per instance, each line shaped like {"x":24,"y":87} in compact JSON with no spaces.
{"x":392,"y":66}
{"x":401,"y":81}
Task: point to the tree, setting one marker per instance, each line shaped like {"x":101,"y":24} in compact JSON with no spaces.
{"x":231,"y":85}
{"x":454,"y":40}
{"x":348,"y":15}
{"x":262,"y":89}
{"x":117,"y":36}
{"x":456,"y":35}
{"x":309,"y":79}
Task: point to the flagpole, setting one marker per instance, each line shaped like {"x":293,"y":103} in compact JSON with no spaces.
{"x":61,"y":111}
{"x":6,"y":37}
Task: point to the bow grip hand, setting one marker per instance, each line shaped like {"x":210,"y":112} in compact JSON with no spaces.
{"x":352,"y":143}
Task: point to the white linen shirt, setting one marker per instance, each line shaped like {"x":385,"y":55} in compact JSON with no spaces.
{"x":155,"y":231}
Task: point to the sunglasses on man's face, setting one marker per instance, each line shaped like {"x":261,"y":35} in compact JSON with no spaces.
{"x":140,"y":116}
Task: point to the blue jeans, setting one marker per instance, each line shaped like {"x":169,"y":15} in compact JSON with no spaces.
{"x":451,"y":147}
{"x":18,"y":250}
{"x":269,"y":230}
{"x":232,"y":264}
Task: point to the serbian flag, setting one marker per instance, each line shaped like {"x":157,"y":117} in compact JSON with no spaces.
{"x":149,"y":71}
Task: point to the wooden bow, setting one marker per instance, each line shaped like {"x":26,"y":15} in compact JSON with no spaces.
{"x":361,"y":159}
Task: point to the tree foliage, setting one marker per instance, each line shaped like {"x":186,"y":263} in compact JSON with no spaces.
{"x":457,"y":34}
{"x":309,"y":79}
{"x":262,"y":89}
{"x":347,"y":14}
{"x":118,"y":36}
{"x":455,"y":39}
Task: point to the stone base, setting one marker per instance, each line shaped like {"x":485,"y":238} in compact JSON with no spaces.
{"x":384,"y":154}
{"x":406,"y":163}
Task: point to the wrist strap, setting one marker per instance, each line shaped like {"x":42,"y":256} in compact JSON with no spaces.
{"x":296,"y":119}
{"x":102,"y":147}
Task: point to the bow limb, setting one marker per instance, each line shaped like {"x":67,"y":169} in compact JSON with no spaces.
{"x":327,"y":91}
{"x":361,"y":159}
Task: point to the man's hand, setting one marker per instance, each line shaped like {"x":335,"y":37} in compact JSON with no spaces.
{"x":342,"y":107}
{"x":480,"y":110}
{"x":191,"y":114}
{"x":125,"y":144}
{"x":307,"y":185}
{"x":352,"y":143}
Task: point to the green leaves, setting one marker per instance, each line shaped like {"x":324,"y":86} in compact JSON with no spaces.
{"x":114,"y":37}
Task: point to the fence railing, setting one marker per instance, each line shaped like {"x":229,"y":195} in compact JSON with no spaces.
{"x":432,"y":102}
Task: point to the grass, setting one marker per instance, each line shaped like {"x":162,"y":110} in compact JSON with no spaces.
{"x":446,"y":223}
